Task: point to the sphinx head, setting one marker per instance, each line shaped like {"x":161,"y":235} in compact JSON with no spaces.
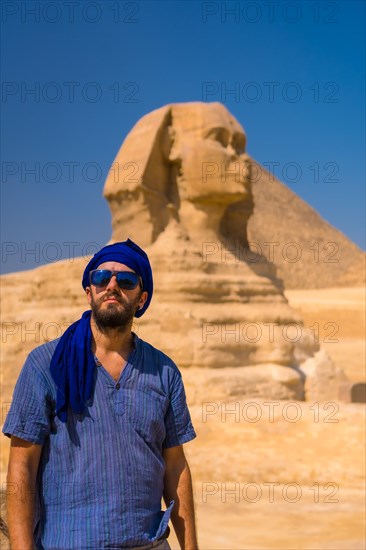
{"x":187,"y":162}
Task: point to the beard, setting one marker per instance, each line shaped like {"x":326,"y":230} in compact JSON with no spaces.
{"x":116,"y":316}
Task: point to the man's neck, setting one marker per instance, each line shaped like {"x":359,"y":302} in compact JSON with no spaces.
{"x":112,"y":340}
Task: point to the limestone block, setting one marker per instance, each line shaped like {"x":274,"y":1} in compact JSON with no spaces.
{"x":323,"y":378}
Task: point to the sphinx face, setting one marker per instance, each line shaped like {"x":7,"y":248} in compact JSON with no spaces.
{"x":210,"y":145}
{"x":183,"y":161}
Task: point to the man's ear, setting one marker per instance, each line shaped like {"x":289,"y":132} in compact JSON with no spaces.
{"x":143,"y":298}
{"x":88,"y":294}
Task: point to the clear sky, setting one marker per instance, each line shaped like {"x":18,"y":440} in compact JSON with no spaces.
{"x":76,"y":76}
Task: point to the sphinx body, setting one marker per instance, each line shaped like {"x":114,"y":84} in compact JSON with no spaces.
{"x":181,"y":187}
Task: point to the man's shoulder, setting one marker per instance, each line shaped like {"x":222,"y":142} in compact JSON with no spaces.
{"x":42,"y":355}
{"x":156,"y":355}
{"x":37,"y":365}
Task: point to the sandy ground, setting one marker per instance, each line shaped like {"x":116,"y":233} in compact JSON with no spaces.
{"x":276,"y":483}
{"x":287,"y":475}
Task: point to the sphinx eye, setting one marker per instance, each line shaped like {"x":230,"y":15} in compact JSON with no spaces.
{"x":219,"y":134}
{"x":238,"y":143}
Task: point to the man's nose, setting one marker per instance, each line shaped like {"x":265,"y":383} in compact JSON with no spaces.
{"x":112,"y":283}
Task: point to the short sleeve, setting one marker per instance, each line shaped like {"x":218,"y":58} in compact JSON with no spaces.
{"x":29,"y":414}
{"x":178,"y":424}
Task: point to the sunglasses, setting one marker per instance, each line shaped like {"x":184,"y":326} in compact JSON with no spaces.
{"x":127,"y":280}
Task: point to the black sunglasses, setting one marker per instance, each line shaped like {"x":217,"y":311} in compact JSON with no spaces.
{"x":127,"y":280}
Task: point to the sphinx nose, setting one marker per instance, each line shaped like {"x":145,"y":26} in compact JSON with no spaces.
{"x":231,"y":151}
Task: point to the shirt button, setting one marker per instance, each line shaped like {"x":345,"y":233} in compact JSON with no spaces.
{"x":118,"y":386}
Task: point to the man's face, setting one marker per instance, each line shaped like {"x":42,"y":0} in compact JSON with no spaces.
{"x":113,"y":307}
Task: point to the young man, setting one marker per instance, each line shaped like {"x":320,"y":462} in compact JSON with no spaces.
{"x":97,"y":424}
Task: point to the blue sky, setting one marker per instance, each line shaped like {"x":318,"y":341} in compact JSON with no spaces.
{"x":76,"y":76}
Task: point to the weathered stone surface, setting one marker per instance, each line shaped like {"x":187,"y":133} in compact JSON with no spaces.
{"x":323,"y":379}
{"x":358,"y":393}
{"x":270,"y":381}
{"x":218,"y":301}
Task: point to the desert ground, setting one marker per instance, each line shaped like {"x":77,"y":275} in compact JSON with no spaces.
{"x":284,"y":475}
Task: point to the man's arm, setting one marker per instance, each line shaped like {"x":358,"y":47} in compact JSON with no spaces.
{"x":178,"y":487}
{"x":21,"y":483}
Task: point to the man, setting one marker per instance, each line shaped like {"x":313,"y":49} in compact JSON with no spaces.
{"x":97,"y":424}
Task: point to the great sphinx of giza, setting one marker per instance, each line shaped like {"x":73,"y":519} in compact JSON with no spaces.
{"x":180,"y":186}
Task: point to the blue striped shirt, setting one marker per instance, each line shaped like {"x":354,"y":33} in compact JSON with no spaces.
{"x":100,"y":478}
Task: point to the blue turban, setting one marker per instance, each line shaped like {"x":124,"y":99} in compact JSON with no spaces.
{"x":72,"y":365}
{"x":127,"y":253}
